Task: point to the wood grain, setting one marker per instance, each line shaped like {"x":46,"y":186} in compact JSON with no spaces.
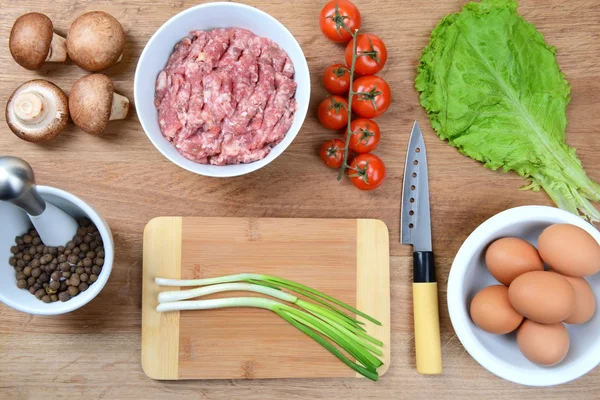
{"x":160,"y":331}
{"x":95,"y":352}
{"x":373,"y":289}
{"x":347,"y":259}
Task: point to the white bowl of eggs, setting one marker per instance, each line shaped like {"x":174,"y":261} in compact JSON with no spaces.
{"x":522,"y":295}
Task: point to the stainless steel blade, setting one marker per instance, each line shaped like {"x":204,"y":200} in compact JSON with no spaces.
{"x":415,"y":218}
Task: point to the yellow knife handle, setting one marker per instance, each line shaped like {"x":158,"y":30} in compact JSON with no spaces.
{"x":426,"y":313}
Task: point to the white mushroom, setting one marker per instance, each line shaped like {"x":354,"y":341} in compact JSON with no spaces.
{"x":95,"y":41}
{"x":33,"y":42}
{"x":37,"y":111}
{"x":93,"y":102}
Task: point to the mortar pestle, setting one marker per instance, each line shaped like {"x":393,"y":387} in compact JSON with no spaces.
{"x":17,"y":185}
{"x":15,"y":221}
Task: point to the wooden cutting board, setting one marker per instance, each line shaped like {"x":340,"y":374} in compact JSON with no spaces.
{"x":348,"y":259}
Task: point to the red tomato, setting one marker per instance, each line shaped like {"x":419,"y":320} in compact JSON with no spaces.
{"x":371,"y":54}
{"x":338,"y":19}
{"x":337,"y":79}
{"x":333,"y":112}
{"x":367,"y":171}
{"x":332,"y":153}
{"x":373,"y":96}
{"x":365,"y":135}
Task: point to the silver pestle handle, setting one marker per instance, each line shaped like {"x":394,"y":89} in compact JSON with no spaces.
{"x":17,"y":185}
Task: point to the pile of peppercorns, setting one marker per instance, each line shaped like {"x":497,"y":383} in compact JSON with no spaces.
{"x":58,"y":273}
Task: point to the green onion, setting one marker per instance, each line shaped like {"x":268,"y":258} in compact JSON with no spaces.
{"x":267,"y":280}
{"x":320,"y":321}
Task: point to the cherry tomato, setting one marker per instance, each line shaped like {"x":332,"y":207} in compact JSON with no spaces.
{"x":373,"y":96}
{"x":336,"y":79}
{"x":338,"y":19}
{"x":333,"y":112}
{"x":371,"y":54}
{"x":332,"y":153}
{"x":365,"y":135}
{"x":367,"y":171}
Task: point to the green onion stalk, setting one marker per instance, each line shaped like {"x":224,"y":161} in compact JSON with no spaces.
{"x":319,"y":321}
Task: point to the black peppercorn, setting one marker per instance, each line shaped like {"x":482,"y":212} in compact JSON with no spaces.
{"x":70,"y":245}
{"x":88,"y":270}
{"x":78,"y":240}
{"x":21,"y":263}
{"x":12,"y":261}
{"x":27,"y":257}
{"x":87,"y":239}
{"x":21,"y":283}
{"x":73,"y":291}
{"x":36,"y":272}
{"x":93,"y":278}
{"x":21,"y":275}
{"x":54,"y":285}
{"x":72,"y":259}
{"x":40,"y":293}
{"x":46,"y":299}
{"x":36,"y":241}
{"x":31,"y":290}
{"x":27,"y":270}
{"x":44,"y":277}
{"x":66,"y":274}
{"x":56,"y":276}
{"x":27,"y":239}
{"x":64,"y":296}
{"x":83,"y":287}
{"x":61,"y":258}
{"x":79,"y":270}
{"x":84,"y":277}
{"x":74,"y":280}
{"x":54,"y":297}
{"x":33,"y":233}
{"x":99,"y":261}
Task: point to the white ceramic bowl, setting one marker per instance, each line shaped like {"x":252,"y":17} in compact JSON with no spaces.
{"x":14,"y":222}
{"x":205,"y":17}
{"x":499,"y":354}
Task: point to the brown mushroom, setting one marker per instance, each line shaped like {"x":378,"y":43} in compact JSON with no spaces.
{"x":37,"y":111}
{"x":33,"y":42}
{"x":93,"y":102}
{"x":95,"y":41}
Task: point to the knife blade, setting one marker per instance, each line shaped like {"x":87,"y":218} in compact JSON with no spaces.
{"x":416,"y":231}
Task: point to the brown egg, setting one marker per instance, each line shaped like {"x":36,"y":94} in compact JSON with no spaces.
{"x":542,"y":296}
{"x":585,"y":301}
{"x":569,"y":250}
{"x":510,"y":257}
{"x":492,"y":312}
{"x":543,"y":344}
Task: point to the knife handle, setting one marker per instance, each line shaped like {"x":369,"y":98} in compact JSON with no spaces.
{"x":426,"y":315}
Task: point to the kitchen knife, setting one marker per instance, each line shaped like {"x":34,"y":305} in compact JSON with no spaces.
{"x":416,"y":231}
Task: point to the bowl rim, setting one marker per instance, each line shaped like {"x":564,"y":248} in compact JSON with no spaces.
{"x":460,"y":320}
{"x":301,"y":112}
{"x":78,"y":301}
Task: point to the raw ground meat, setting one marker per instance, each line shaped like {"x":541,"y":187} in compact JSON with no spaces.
{"x":226,"y":96}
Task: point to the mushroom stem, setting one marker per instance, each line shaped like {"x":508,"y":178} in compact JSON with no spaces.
{"x":58,"y":49}
{"x":120,"y":107}
{"x":30,"y":108}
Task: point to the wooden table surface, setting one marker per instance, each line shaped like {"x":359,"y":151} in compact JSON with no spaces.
{"x":95,"y":351}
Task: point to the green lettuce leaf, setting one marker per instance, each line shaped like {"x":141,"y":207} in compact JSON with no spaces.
{"x":492,"y":87}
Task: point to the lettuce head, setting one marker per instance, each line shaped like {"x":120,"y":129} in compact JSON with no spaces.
{"x":492,"y":87}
